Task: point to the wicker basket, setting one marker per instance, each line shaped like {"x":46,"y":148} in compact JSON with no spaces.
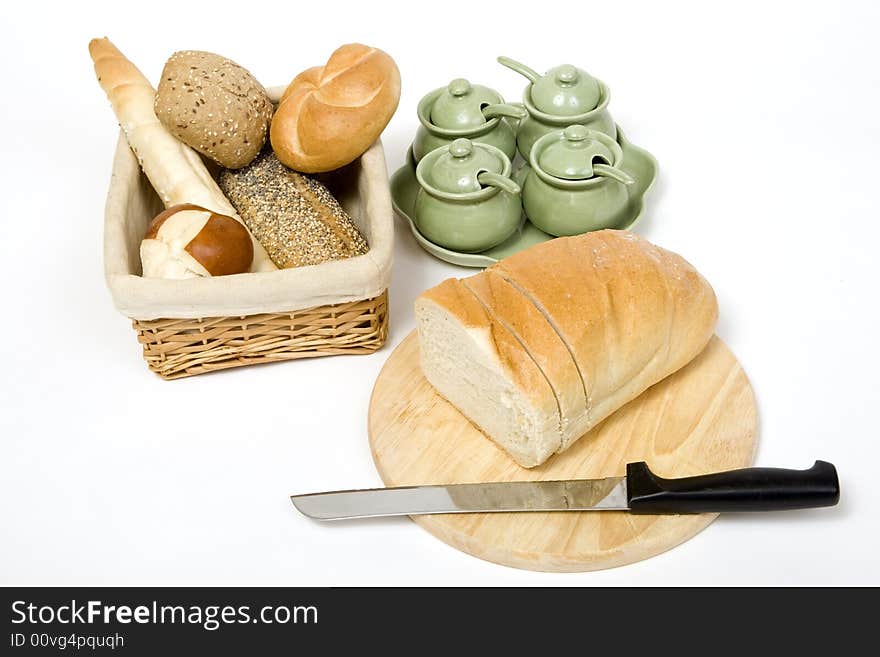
{"x":175,"y":348}
{"x":200,"y":325}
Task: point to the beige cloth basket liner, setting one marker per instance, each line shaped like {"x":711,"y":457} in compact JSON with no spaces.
{"x":362,"y":189}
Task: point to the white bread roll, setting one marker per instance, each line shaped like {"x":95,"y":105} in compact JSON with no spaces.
{"x":627,"y":313}
{"x":330,"y":115}
{"x":186,"y":241}
{"x":176,"y":171}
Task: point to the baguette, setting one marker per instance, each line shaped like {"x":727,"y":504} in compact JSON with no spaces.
{"x":626,"y":312}
{"x":176,"y":172}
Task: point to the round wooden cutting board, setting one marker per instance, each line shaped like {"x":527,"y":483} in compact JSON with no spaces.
{"x":701,"y":419}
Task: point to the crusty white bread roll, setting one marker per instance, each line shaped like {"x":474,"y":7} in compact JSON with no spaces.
{"x":186,"y":241}
{"x":627,"y":313}
{"x":330,"y":115}
{"x":176,"y":172}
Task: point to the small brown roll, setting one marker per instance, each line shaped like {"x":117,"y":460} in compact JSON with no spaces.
{"x":187,"y":241}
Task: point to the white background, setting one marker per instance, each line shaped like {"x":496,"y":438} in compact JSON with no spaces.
{"x":764,"y":118}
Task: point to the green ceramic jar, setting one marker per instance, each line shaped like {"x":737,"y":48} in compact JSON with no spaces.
{"x":573,"y":183}
{"x":465,"y":110}
{"x":467,"y":201}
{"x":564,"y":96}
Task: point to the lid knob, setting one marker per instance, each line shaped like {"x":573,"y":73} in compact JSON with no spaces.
{"x":576,"y":133}
{"x":567,"y":74}
{"x":459,"y":87}
{"x":461,"y":147}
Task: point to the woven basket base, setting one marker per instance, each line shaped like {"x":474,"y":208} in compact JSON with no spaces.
{"x":176,"y":348}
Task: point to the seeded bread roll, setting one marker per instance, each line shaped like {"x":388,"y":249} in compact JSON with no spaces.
{"x":292,"y":215}
{"x":214,"y":106}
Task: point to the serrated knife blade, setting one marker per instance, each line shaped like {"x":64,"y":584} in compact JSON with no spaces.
{"x":575,"y":495}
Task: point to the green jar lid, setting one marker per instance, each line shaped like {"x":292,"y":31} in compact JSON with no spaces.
{"x":454,"y":169}
{"x":460,"y":105}
{"x":571,"y":153}
{"x":566,"y":91}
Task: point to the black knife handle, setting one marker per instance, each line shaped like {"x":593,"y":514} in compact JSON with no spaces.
{"x":749,"y":489}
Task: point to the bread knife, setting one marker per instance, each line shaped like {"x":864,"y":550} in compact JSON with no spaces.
{"x":639,"y":491}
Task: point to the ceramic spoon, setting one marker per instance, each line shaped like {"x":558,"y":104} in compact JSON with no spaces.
{"x":613,"y":172}
{"x":531,"y":74}
{"x":497,"y":180}
{"x":600,"y":169}
{"x":504,"y":109}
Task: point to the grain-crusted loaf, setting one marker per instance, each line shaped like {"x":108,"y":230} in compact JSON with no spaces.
{"x":293,"y":216}
{"x":627,"y":312}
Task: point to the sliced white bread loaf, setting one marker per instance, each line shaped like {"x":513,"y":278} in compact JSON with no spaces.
{"x":628,"y":312}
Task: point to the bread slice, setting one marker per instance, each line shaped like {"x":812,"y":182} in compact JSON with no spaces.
{"x":628,"y":312}
{"x":483,"y":370}
{"x":519,"y":315}
{"x":575,"y":424}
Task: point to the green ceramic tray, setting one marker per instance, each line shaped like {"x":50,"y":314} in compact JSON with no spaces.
{"x":637,"y":162}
